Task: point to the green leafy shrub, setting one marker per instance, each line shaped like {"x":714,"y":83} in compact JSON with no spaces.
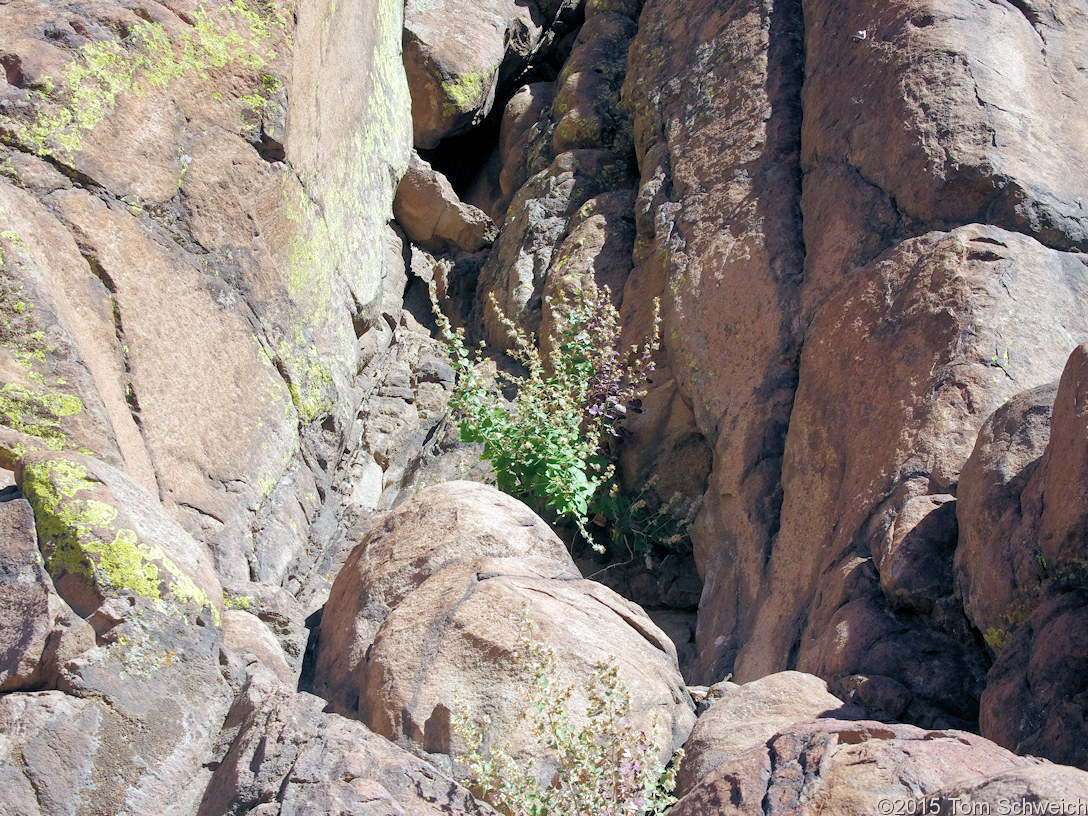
{"x":548,"y":446}
{"x":636,"y":525}
{"x":605,"y":768}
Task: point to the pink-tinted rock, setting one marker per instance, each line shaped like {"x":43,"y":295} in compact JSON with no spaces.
{"x":849,"y":768}
{"x":748,"y":716}
{"x":1034,"y":789}
{"x":136,"y":727}
{"x":909,"y":343}
{"x":1036,"y":697}
{"x":1058,"y":494}
{"x":286,"y":753}
{"x":38,"y":630}
{"x":247,"y":634}
{"x":714,"y":92}
{"x":930,"y":110}
{"x":458,"y":58}
{"x":432,"y":215}
{"x":995,"y":559}
{"x":102,"y":535}
{"x":453,"y":642}
{"x":444,"y":524}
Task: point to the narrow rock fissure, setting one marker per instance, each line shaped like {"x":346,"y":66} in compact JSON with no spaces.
{"x":131,"y":398}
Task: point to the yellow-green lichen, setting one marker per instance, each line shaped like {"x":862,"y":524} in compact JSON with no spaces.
{"x":258,"y":100}
{"x":465,"y":92}
{"x":79,"y":536}
{"x":997,"y":639}
{"x":337,"y":201}
{"x":266,"y":484}
{"x":241,"y":602}
{"x":312,"y":389}
{"x":37,"y":413}
{"x":34,"y":407}
{"x":68,"y":109}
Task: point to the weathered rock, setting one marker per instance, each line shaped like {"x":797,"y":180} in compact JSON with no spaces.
{"x":931,"y":316}
{"x":433,"y":216}
{"x":284,"y":752}
{"x":600,"y":238}
{"x":850,"y":768}
{"x":1036,"y":697}
{"x":49,"y":739}
{"x":714,"y":94}
{"x":102,"y":535}
{"x":1060,"y":498}
{"x":522,"y":142}
{"x":201,"y":306}
{"x":38,"y":630}
{"x":587,"y":108}
{"x":536,"y":223}
{"x":1020,"y":566}
{"x":247,"y":634}
{"x":458,"y":59}
{"x":133,"y":733}
{"x":915,"y":559}
{"x":994,"y":568}
{"x":284,"y":616}
{"x":929,"y":111}
{"x":452,"y":642}
{"x":749,"y":715}
{"x":167,"y":312}
{"x":441,"y":525}
{"x":1034,"y":789}
{"x":561,"y":146}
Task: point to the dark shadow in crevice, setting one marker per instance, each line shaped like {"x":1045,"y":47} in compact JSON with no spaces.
{"x":309,"y":658}
{"x":463,"y":157}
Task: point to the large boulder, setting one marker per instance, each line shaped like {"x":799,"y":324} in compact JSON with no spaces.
{"x":1036,"y":697}
{"x":850,"y":768}
{"x":456,"y":645}
{"x":427,"y":616}
{"x":995,"y":571}
{"x":1020,"y":566}
{"x":277,"y":609}
{"x":102,"y":536}
{"x":249,"y":635}
{"x":194,"y":319}
{"x":459,"y":59}
{"x":1033,"y":789}
{"x":432,"y":215}
{"x":441,"y":525}
{"x":134,"y":729}
{"x":929,"y":339}
{"x":714,"y":91}
{"x":749,"y":715}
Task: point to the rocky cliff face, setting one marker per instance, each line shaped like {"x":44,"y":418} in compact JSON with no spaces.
{"x":864,"y":224}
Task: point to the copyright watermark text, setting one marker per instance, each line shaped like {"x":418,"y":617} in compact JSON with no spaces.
{"x":961,"y":806}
